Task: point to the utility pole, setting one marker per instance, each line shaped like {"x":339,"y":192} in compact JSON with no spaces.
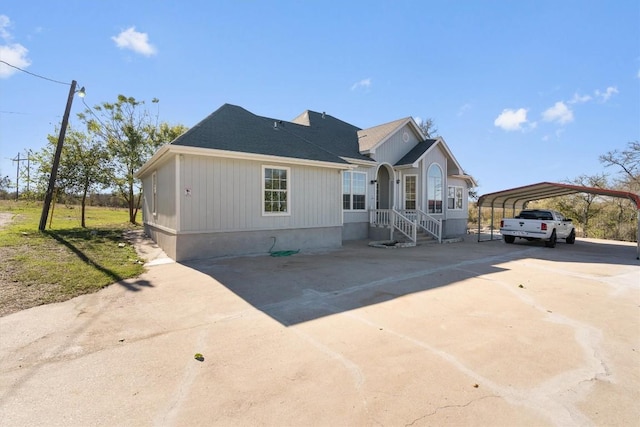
{"x":18,"y":159}
{"x":56,"y":158}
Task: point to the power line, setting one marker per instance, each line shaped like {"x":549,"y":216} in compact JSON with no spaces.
{"x":34,"y":74}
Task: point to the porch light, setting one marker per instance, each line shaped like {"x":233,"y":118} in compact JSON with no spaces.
{"x":373,"y":181}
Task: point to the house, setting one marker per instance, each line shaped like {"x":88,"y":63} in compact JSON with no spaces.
{"x":238,"y":183}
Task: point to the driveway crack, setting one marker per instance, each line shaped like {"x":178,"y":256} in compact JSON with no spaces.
{"x":435,"y":411}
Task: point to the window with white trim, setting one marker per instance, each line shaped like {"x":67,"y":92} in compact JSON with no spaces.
{"x":410,"y":191}
{"x":154,"y":194}
{"x":454,"y":197}
{"x":354,"y":191}
{"x":275,"y":190}
{"x":434,"y":189}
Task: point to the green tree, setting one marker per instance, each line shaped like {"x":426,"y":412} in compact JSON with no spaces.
{"x":131,"y":136}
{"x":85,"y":166}
{"x":5,"y":183}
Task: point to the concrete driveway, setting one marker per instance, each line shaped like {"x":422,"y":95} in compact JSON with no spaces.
{"x":455,"y":334}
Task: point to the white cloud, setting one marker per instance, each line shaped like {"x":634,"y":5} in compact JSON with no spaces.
{"x":466,"y":107}
{"x":364,"y":83}
{"x":608,"y":93}
{"x":511,"y":120}
{"x":579,"y":99}
{"x":4,"y":23}
{"x":135,"y":41}
{"x":13,"y":53}
{"x":558,"y":113}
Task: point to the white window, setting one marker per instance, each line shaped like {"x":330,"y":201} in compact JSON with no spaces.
{"x":410,"y":191}
{"x":354,"y":191}
{"x":275,"y":190}
{"x":154,"y":194}
{"x":454,"y":198}
{"x":434,"y":189}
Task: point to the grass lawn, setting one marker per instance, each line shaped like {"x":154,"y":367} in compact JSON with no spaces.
{"x":66,"y":260}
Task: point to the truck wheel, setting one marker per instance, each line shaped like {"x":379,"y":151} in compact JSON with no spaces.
{"x":551,"y":243}
{"x":572,"y":237}
{"x":509,"y":239}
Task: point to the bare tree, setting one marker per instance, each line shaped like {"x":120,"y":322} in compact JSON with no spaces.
{"x":428,"y":128}
{"x":628,"y":160}
{"x":581,"y":206}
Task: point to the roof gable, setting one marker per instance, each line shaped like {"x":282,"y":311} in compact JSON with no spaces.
{"x":371,"y":138}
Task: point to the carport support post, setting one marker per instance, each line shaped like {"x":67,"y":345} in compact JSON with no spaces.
{"x":480,"y":219}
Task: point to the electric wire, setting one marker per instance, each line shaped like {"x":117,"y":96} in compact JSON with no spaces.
{"x":34,"y":74}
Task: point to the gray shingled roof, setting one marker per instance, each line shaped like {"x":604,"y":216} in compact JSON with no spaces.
{"x":416,"y":152}
{"x":370,"y":137}
{"x":334,"y":135}
{"x":311,"y":136}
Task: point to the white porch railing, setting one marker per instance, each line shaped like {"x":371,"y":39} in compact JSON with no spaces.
{"x":380,"y":217}
{"x":407,"y":222}
{"x":404,"y":225}
{"x":426,"y":222}
{"x":396,"y":220}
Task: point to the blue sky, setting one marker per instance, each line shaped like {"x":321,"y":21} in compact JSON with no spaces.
{"x":521,"y":91}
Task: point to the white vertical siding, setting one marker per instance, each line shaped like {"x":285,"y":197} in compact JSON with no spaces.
{"x":395,"y":147}
{"x":226,"y":195}
{"x":166,"y":201}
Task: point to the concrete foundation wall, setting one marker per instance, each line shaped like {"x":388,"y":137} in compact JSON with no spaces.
{"x":208,"y":245}
{"x":454,"y":227}
{"x":379,"y":233}
{"x":355,"y":231}
{"x":165,"y":239}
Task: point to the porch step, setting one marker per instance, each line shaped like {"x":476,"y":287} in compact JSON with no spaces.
{"x":421,"y":239}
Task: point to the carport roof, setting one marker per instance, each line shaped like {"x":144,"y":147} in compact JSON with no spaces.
{"x":517,"y":198}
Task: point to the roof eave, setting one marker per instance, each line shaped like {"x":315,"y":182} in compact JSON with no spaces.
{"x":211,"y":152}
{"x":467,"y":178}
{"x":359,"y":162}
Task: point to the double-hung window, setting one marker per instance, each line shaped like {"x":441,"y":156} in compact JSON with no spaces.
{"x":454,"y":197}
{"x":275,"y":190}
{"x":354,"y":190}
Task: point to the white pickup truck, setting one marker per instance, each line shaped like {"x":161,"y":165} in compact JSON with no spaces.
{"x":538,"y":224}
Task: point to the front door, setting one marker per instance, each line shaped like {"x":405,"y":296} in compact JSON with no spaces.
{"x":384,"y":189}
{"x":410,"y":192}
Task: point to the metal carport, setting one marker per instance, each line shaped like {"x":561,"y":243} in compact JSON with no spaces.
{"x":517,"y":199}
